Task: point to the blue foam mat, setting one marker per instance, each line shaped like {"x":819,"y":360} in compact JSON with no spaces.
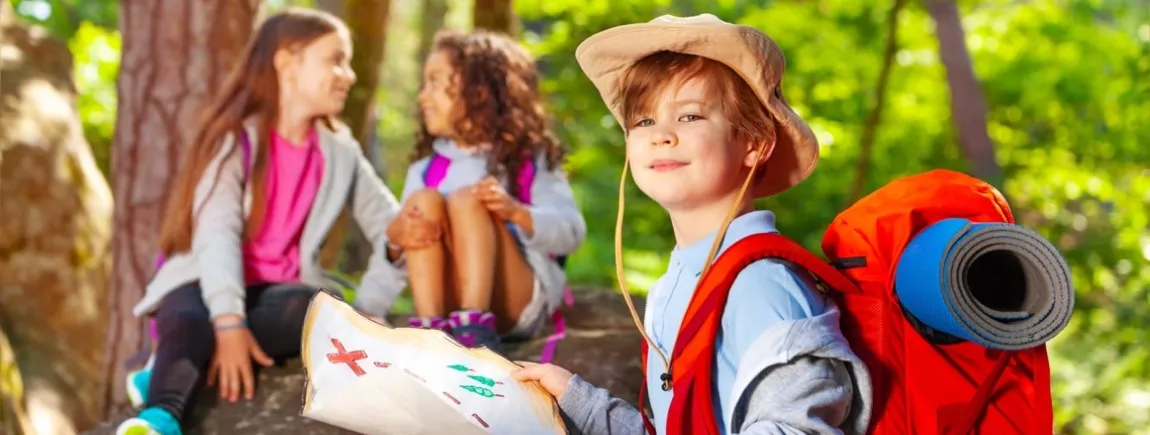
{"x":934,"y":274}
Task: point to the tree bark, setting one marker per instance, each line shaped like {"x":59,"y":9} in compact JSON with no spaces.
{"x":494,"y":15}
{"x":367,"y":21}
{"x":967,"y":105}
{"x":55,"y":230}
{"x":870,"y":129}
{"x":175,"y":55}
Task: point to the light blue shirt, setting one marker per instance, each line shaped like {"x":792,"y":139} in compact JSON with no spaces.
{"x":765,"y":292}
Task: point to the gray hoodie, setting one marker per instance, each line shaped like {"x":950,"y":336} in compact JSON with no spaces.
{"x":805,"y":380}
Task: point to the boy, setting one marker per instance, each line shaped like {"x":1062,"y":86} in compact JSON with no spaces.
{"x":705,"y":121}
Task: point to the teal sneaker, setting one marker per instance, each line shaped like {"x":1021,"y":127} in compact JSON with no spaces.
{"x":151,"y":421}
{"x":138,"y":382}
{"x":137,"y":386}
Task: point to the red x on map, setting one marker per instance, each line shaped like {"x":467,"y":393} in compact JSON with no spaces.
{"x":342,"y":356}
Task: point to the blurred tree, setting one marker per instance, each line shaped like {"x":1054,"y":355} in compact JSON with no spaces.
{"x":168,"y":74}
{"x":968,"y":107}
{"x":494,"y":15}
{"x":367,"y":21}
{"x":870,"y":129}
{"x":54,"y":237}
{"x":434,"y":12}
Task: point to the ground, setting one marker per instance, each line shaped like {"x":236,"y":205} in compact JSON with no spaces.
{"x":602,"y":345}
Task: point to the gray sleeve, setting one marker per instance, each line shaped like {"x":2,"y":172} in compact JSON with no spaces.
{"x":413,"y":181}
{"x":590,"y":410}
{"x":374,"y":208}
{"x":808,"y":395}
{"x":558,"y":223}
{"x":218,"y":235}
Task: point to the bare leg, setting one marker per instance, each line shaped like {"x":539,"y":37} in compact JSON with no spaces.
{"x":514,"y":280}
{"x":426,"y":266}
{"x":473,"y":240}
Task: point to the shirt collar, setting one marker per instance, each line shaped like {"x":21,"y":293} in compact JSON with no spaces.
{"x":692,"y":256}
{"x":448,"y":148}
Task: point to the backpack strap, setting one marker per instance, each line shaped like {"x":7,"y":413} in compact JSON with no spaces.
{"x":693,"y":359}
{"x":525,"y":180}
{"x":436,"y":170}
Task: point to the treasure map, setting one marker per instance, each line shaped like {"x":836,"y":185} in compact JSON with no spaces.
{"x":374,"y":379}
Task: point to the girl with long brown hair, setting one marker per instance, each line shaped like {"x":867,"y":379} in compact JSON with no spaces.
{"x":261,"y":186}
{"x":486,"y":172}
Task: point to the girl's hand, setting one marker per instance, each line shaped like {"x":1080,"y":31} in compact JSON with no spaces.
{"x":495,"y":198}
{"x":411,"y":231}
{"x":552,"y":377}
{"x":236,"y":348}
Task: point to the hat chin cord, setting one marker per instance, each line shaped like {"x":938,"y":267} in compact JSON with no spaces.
{"x":666,"y":376}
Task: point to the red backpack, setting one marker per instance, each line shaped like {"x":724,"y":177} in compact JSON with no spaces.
{"x":920,"y":387}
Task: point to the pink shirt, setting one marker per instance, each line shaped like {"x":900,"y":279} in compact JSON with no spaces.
{"x":293,"y":176}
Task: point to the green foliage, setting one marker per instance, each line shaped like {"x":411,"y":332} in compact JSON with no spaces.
{"x":64,"y":17}
{"x":97,"y":62}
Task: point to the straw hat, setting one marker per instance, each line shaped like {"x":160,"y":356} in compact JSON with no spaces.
{"x":607,"y":55}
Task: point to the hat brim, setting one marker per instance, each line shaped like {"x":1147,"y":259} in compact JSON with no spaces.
{"x":606,"y":56}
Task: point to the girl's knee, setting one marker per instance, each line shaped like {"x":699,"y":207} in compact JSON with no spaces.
{"x":428,"y":201}
{"x":463,"y":198}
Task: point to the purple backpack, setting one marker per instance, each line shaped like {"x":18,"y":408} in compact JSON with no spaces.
{"x":434,"y":174}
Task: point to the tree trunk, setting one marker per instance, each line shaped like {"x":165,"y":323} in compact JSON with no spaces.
{"x":367,"y":21}
{"x":434,"y":12}
{"x":870,"y":129}
{"x":494,"y":15}
{"x":55,"y":231}
{"x":175,"y":55}
{"x":967,"y":105}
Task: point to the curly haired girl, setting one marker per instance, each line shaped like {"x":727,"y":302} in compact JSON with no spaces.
{"x":486,"y":174}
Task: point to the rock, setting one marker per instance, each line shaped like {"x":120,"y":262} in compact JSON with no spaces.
{"x":54,"y":234}
{"x":602,"y":345}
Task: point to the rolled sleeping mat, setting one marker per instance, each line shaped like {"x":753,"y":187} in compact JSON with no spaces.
{"x":1000,"y":285}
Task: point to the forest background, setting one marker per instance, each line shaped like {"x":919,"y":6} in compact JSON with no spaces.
{"x":1047,"y":99}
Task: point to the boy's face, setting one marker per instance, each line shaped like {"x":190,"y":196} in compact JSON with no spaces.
{"x":684,"y":154}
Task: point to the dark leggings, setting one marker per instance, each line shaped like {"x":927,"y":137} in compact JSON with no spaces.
{"x":275,"y":315}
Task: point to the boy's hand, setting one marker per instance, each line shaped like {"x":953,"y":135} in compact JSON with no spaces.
{"x":495,"y":198}
{"x":552,"y":377}
{"x":411,"y":231}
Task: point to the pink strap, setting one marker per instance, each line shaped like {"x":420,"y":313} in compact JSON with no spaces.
{"x":560,"y":333}
{"x":436,"y":171}
{"x":526,"y":179}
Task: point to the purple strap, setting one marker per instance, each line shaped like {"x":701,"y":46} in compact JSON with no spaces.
{"x":560,"y":333}
{"x":160,"y":257}
{"x":436,"y":171}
